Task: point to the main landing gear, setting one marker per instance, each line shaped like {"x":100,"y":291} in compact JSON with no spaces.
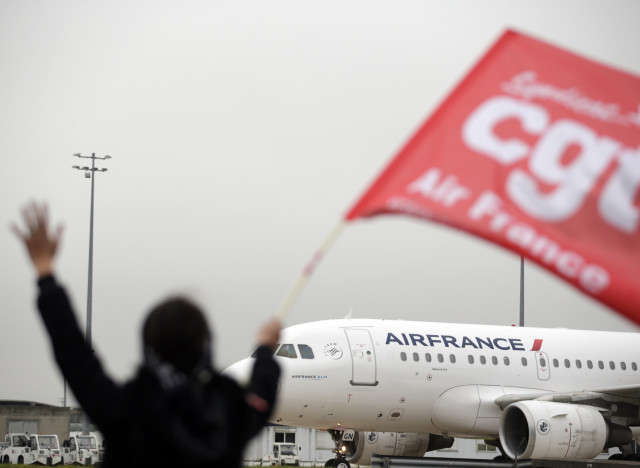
{"x":496,"y":443}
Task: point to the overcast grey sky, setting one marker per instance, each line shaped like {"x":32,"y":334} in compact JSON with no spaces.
{"x":241,"y":131}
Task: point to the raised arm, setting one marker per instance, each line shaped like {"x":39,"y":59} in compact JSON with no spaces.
{"x":95,"y":391}
{"x":261,"y":392}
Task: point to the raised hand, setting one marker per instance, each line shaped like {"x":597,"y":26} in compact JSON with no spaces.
{"x":269,"y":334}
{"x":40,"y":243}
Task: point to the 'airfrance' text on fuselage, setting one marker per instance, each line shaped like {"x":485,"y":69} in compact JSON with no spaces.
{"x":415,"y":339}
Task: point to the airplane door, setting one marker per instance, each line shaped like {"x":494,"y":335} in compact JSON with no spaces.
{"x":542,"y":361}
{"x":363,"y":357}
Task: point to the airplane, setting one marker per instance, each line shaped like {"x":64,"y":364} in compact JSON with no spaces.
{"x":403,"y":388}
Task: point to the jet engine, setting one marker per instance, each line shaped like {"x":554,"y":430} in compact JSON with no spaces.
{"x":408,"y":444}
{"x":543,"y":429}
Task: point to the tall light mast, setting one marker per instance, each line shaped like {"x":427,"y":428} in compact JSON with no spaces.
{"x":89,"y":173}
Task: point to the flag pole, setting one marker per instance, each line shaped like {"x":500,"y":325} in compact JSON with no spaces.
{"x":295,"y":290}
{"x":521,"y":290}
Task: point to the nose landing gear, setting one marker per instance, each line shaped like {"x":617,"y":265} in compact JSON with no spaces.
{"x":341,"y":451}
{"x":337,"y":463}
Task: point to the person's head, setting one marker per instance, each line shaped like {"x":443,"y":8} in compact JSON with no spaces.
{"x":176,"y":331}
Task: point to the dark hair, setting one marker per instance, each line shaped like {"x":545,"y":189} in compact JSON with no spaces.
{"x":177,"y":333}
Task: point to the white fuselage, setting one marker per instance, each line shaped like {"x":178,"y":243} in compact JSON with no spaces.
{"x":404,"y":376}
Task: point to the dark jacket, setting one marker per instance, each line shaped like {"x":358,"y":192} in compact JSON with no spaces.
{"x":151,"y":420}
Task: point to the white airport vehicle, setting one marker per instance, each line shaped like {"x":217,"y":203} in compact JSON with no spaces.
{"x":403,"y":388}
{"x":80,"y":450}
{"x":15,"y":450}
{"x":45,"y":449}
{"x":283,"y":453}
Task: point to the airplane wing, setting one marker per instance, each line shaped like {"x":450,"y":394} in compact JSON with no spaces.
{"x":624,"y":391}
{"x":622,"y":400}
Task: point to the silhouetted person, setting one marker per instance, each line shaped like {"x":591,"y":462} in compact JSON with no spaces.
{"x":177,"y":410}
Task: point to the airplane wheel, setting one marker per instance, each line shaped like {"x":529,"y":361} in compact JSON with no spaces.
{"x":342,"y":464}
{"x":329,"y":463}
{"x":616,"y":456}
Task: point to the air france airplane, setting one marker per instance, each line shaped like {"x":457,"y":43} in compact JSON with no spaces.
{"x":403,"y":388}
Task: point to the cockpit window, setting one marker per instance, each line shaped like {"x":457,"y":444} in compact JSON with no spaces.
{"x":289,"y":449}
{"x":47,"y":442}
{"x":305,"y":351}
{"x":287,"y":350}
{"x":87,"y":442}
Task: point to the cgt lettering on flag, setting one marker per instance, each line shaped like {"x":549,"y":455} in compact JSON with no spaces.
{"x":572,"y":181}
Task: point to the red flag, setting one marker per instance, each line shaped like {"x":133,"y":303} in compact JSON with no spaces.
{"x":537,"y":150}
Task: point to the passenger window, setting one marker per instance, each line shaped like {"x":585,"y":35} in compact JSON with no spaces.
{"x":555,"y":363}
{"x":634,"y":366}
{"x":494,"y":360}
{"x":623,"y":365}
{"x":543,"y":362}
{"x":440,"y":358}
{"x":612,"y":365}
{"x":506,"y":360}
{"x":452,"y":358}
{"x":590,"y":364}
{"x":427,"y":356}
{"x":305,"y":351}
{"x":403,"y":356}
{"x":416,"y":357}
{"x":578,"y":364}
{"x":524,"y":361}
{"x":288,"y":351}
{"x":470,"y":357}
{"x":601,"y":364}
{"x":483,"y":360}
{"x":567,"y":363}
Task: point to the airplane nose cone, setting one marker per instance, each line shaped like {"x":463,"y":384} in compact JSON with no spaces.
{"x":240,"y":371}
